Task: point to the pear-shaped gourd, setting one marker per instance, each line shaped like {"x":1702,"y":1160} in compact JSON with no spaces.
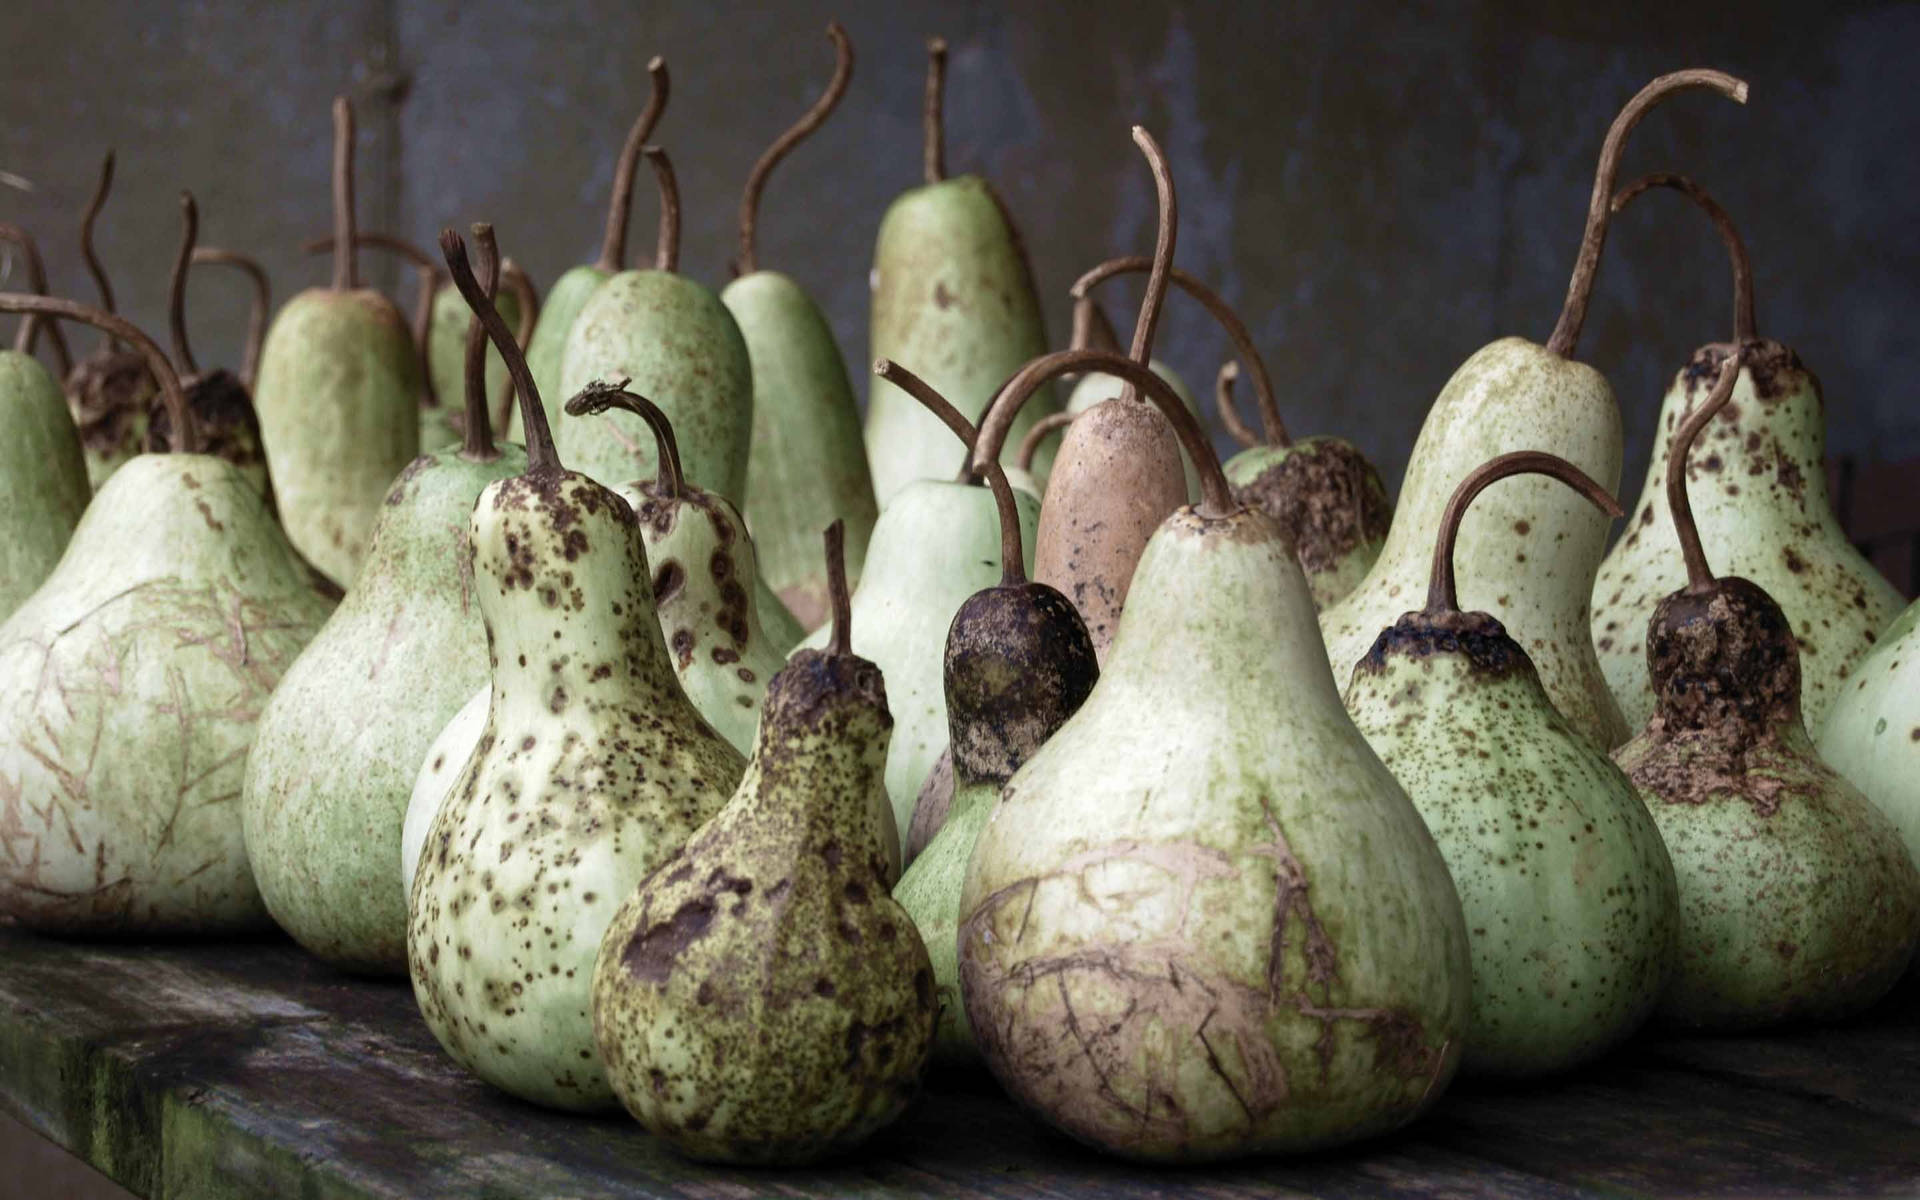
{"x":1529,"y":549}
{"x":446,"y":352}
{"x":339,"y":378}
{"x":1872,"y":731}
{"x":1798,"y":901}
{"x":1203,"y":920}
{"x":1759,"y":501}
{"x":937,"y":544}
{"x":668,"y":337}
{"x":110,"y":389}
{"x":592,"y":768}
{"x":1567,"y":889}
{"x":577,"y":285}
{"x":343,"y":737}
{"x":1019,"y":662}
{"x":953,"y":295}
{"x":807,"y":466}
{"x":130,"y":686}
{"x":760,"y":998}
{"x":446,"y":758}
{"x":43,"y":475}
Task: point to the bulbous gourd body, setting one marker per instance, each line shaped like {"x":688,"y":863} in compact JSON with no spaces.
{"x":953,"y":301}
{"x":1093,"y":387}
{"x":1568,"y":893}
{"x":1758,"y":487}
{"x":1204,"y":921}
{"x":929,"y":891}
{"x":1798,"y":901}
{"x":808,"y":464}
{"x":1329,"y":499}
{"x":1872,"y":731}
{"x":130,"y":684}
{"x":341,"y":740}
{"x":43,"y":478}
{"x":109,"y":393}
{"x":591,"y":769}
{"x":934,"y":546}
{"x":549,"y":343}
{"x":1529,"y":547}
{"x":445,"y":759}
{"x":338,"y":399}
{"x":680,"y":347}
{"x":447,"y":362}
{"x":760,"y":998}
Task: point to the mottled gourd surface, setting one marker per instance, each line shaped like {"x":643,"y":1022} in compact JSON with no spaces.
{"x":1568,"y":894}
{"x":338,"y":397}
{"x":760,"y":998}
{"x":1528,"y":547}
{"x":953,"y":302}
{"x":591,"y":769}
{"x":342,"y":738}
{"x":445,"y":759}
{"x":1872,"y":731}
{"x":43,"y":478}
{"x":1757,"y":483}
{"x":108,"y":393}
{"x":1331,"y":502}
{"x":1204,"y":921}
{"x":1798,"y":901}
{"x":808,"y":464}
{"x":549,"y":342}
{"x":679,"y":347}
{"x":440,"y":425}
{"x":130,"y":685}
{"x":1093,"y":387}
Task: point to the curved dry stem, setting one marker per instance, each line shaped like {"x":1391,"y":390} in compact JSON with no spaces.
{"x":1743,"y":322}
{"x":346,"y":276}
{"x":1573,"y":314}
{"x":517,"y":281}
{"x":186,"y":435}
{"x":666,"y":254}
{"x":1164,"y":237}
{"x":933,"y":127}
{"x":783,"y":145}
{"x":30,"y":325}
{"x":598,"y":397}
{"x":1012,"y":558}
{"x":257,"y":310}
{"x":477,"y":443}
{"x":1223,"y":382}
{"x":613,"y":243}
{"x":1042,"y":429}
{"x":1699,"y":574}
{"x":1091,"y":328}
{"x":1442,"y":597}
{"x":541,"y":455}
{"x":101,"y":284}
{"x":1223,"y":315}
{"x":840,"y":643}
{"x":177,"y":286}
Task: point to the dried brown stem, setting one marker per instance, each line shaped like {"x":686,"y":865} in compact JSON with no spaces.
{"x":257,"y":310}
{"x":177,"y":286}
{"x":30,"y":326}
{"x":933,"y":129}
{"x":1442,"y":597}
{"x":186,"y":435}
{"x":478,"y":434}
{"x":841,"y":642}
{"x":517,"y":281}
{"x":1573,"y":314}
{"x":666,"y":254}
{"x":1042,"y":429}
{"x":1743,"y":322}
{"x":1223,"y":403}
{"x":613,"y":244}
{"x":103,"y":285}
{"x":1165,"y":236}
{"x":541,"y":455}
{"x":346,"y":271}
{"x":598,"y":397}
{"x":1699,"y":574}
{"x":783,"y":145}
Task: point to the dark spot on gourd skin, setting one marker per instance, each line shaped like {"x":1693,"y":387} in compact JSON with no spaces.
{"x":682,"y":643}
{"x":1477,"y":637}
{"x":668,"y":580}
{"x":1018,"y":663}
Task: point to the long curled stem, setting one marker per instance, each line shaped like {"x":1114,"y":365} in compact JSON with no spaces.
{"x":933,"y":128}
{"x":257,"y":310}
{"x":1165,"y":236}
{"x":666,"y":254}
{"x":613,"y":243}
{"x":783,"y":145}
{"x":102,"y":188}
{"x":1743,"y":322}
{"x":177,"y":286}
{"x":1442,"y":596}
{"x":1223,"y":381}
{"x":541,"y":455}
{"x":30,"y":326}
{"x":527,"y":297}
{"x":186,"y":435}
{"x":1699,"y":574}
{"x":1091,"y":328}
{"x":477,"y":437}
{"x":598,"y":397}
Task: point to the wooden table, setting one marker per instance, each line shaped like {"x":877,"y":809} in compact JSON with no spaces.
{"x":250,"y":1070}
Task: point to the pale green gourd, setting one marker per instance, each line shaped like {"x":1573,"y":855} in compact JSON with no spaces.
{"x":446,"y":353}
{"x":1872,"y":731}
{"x":446,"y":758}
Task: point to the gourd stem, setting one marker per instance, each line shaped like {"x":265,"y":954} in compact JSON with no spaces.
{"x":101,"y":190}
{"x":598,"y":397}
{"x":186,"y":435}
{"x":1573,"y":314}
{"x":346,"y":275}
{"x":1165,"y":236}
{"x":1223,"y":315}
{"x":1013,"y":569}
{"x":177,"y":286}
{"x":783,"y":145}
{"x":1442,"y":596}
{"x":840,"y":642}
{"x":527,"y":296}
{"x":1699,"y":574}
{"x":666,"y":254}
{"x":477,"y":443}
{"x":257,"y":310}
{"x":613,"y":244}
{"x":933,"y":129}
{"x":428,"y":288}
{"x":1223,"y":404}
{"x":541,"y":455}
{"x":1743,"y":322}
{"x":30,"y":325}
{"x":1042,"y":429}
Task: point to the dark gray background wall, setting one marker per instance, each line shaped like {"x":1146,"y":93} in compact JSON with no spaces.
{"x":1380,"y":188}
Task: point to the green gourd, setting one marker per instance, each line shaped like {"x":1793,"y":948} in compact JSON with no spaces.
{"x":446,"y":350}
{"x":1872,"y":731}
{"x":339,"y":377}
{"x":1204,"y":921}
{"x":1529,"y":550}
{"x":1568,"y":892}
{"x":760,"y":998}
{"x":1798,"y":900}
{"x":1759,"y":501}
{"x":446,"y":757}
{"x":591,"y":770}
{"x":130,"y":687}
{"x":953,"y":294}
{"x":807,"y":466}
{"x":109,"y":390}
{"x":343,"y":736}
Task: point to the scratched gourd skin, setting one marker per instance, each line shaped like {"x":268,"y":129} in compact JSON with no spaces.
{"x":591,"y":769}
{"x":43,"y":478}
{"x":1872,"y":731}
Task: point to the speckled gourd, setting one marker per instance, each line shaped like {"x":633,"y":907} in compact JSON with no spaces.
{"x":1203,"y":921}
{"x":1759,"y":495}
{"x":1798,"y":900}
{"x":446,"y":758}
{"x":109,"y":392}
{"x":953,"y":297}
{"x":1529,"y":550}
{"x":342,"y":738}
{"x":131,"y":683}
{"x":1567,"y":889}
{"x":760,"y":998}
{"x":592,"y":768}
{"x":1872,"y":731}
{"x":337,"y":396}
